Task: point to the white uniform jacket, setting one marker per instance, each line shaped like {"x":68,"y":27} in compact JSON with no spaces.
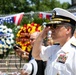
{"x":60,"y":60}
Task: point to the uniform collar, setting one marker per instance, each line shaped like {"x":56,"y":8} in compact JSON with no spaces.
{"x":67,"y":45}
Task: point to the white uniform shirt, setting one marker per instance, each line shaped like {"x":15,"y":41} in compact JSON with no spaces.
{"x":60,"y":61}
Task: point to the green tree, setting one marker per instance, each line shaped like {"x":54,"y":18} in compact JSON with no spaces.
{"x":14,"y":6}
{"x":44,"y":5}
{"x":54,"y":4}
{"x":65,"y":5}
{"x":35,"y":4}
{"x":47,"y":5}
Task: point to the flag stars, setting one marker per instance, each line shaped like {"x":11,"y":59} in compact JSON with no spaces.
{"x":9,"y":19}
{"x":15,"y":19}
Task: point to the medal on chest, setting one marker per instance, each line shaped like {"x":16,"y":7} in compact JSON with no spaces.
{"x":62,"y":58}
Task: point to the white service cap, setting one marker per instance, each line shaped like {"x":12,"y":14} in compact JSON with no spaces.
{"x":60,"y":15}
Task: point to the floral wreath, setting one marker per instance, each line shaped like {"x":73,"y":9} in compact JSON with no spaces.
{"x":23,"y":35}
{"x":6,"y":40}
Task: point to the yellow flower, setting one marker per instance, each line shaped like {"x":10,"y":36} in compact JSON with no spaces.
{"x":29,"y":28}
{"x":23,"y":48}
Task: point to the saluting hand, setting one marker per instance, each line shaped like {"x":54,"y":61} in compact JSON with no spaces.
{"x":44,"y":33}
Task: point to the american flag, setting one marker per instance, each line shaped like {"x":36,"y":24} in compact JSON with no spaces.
{"x":16,"y":19}
{"x":45,"y":15}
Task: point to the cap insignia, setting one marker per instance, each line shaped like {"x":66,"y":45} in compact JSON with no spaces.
{"x":53,"y":14}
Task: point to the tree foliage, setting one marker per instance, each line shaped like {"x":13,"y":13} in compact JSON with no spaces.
{"x":65,"y":5}
{"x":16,"y":6}
{"x":48,"y":5}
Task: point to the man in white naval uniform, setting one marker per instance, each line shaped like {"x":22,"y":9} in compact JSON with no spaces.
{"x":61,"y":59}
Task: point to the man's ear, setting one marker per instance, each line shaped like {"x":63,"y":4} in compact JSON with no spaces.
{"x":68,"y":30}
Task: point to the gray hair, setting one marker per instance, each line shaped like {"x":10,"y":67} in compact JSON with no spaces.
{"x":72,"y":27}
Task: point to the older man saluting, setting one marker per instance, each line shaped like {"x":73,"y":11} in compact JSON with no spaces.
{"x":61,"y":58}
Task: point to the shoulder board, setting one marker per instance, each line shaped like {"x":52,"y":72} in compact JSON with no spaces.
{"x":73,"y":43}
{"x":56,"y":44}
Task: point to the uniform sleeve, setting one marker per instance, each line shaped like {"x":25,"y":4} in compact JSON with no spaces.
{"x":27,"y":68}
{"x":48,"y":51}
{"x":31,"y":67}
{"x":45,"y":53}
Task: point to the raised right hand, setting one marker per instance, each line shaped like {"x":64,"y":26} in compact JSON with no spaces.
{"x":44,"y":33}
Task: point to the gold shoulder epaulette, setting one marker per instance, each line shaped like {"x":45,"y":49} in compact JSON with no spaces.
{"x":73,"y":43}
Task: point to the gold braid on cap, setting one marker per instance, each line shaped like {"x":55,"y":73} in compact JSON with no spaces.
{"x":54,"y":22}
{"x":60,"y":19}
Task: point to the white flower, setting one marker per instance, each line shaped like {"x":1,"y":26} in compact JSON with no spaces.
{"x":4,"y":27}
{"x":18,"y":27}
{"x":9,"y":30}
{"x":0,"y":45}
{"x":12,"y":36}
{"x":6,"y":38}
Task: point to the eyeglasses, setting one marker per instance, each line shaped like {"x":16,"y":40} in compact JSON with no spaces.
{"x":53,"y":26}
